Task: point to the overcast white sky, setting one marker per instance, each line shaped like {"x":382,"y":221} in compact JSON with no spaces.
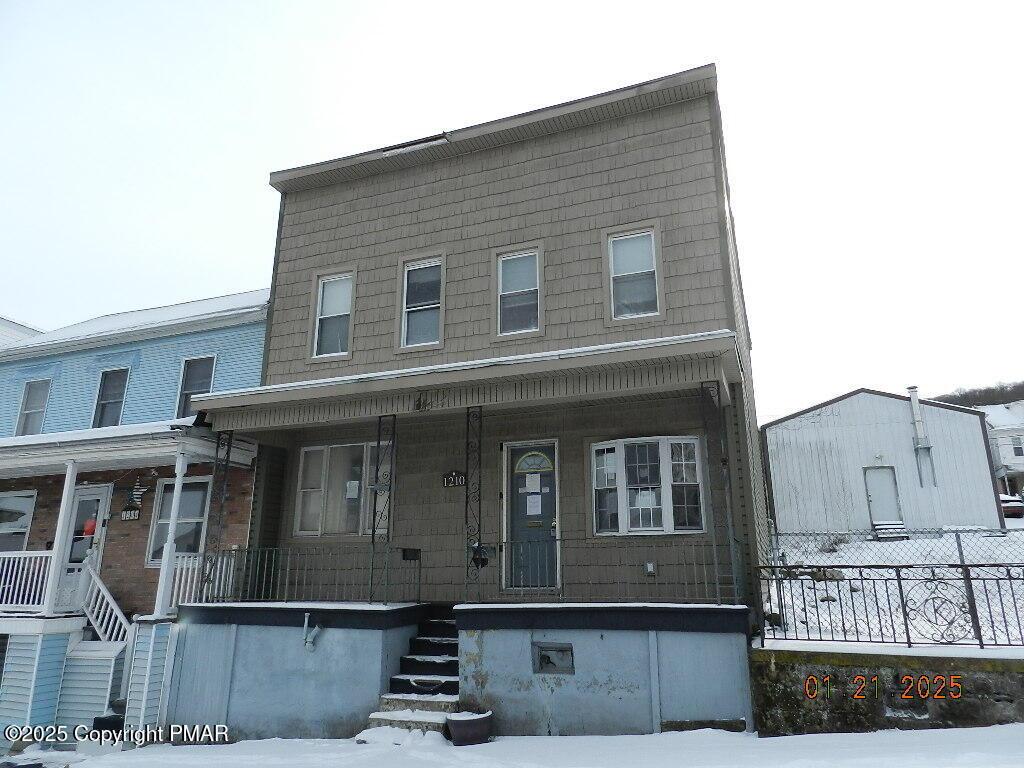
{"x":875,"y":153}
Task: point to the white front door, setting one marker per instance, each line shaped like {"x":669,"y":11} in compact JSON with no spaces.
{"x":883,"y":496}
{"x":88,"y":522}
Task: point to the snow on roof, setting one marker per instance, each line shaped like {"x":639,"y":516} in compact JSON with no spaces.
{"x":97,"y":433}
{"x":140,"y":320}
{"x":1005,"y":415}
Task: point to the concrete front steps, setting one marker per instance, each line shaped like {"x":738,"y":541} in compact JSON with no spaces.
{"x":427,"y":686}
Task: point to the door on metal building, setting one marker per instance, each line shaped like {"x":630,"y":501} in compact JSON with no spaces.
{"x":531,"y":511}
{"x":883,"y":495}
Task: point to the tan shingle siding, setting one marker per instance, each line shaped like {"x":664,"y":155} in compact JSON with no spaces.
{"x":561,"y":190}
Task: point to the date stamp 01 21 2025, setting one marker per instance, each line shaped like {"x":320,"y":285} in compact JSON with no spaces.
{"x":863,"y":687}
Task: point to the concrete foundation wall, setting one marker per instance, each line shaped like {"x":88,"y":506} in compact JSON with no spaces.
{"x":262,"y":682}
{"x":625,"y":681}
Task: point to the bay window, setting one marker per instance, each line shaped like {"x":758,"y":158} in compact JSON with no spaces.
{"x":648,"y":485}
{"x":335,"y":493}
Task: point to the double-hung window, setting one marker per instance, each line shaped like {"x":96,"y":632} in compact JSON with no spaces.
{"x":33,"y":407}
{"x":192,"y":509}
{"x":1018,"y":446}
{"x":15,"y":518}
{"x":518,"y":293}
{"x":333,"y":316}
{"x":110,"y":400}
{"x":334,"y":494}
{"x":421,"y":303}
{"x":196,"y":379}
{"x":634,"y":277}
{"x":648,"y":485}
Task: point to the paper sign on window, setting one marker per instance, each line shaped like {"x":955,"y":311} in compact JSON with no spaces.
{"x":533,"y":482}
{"x":646,"y":499}
{"x":533,"y":504}
{"x":352,"y":489}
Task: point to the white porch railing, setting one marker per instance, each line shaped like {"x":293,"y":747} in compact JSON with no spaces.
{"x":23,"y":581}
{"x":189,"y":586}
{"x":101,"y":609}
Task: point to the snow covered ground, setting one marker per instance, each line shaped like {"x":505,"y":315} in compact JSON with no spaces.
{"x":995,"y":747}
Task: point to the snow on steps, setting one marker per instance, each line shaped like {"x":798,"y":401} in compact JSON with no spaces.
{"x":410,"y":719}
{"x":436,"y":702}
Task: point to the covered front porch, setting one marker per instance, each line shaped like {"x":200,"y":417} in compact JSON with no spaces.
{"x":596,"y":475}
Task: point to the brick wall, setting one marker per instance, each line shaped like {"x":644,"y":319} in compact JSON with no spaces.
{"x":123,"y":568}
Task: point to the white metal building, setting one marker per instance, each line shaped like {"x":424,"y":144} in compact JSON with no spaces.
{"x":873,"y":460}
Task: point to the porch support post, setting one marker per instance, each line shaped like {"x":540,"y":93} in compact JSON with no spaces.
{"x":61,"y":538}
{"x":164,"y":587}
{"x":474,"y":547}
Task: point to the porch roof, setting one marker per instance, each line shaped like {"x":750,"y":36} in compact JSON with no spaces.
{"x":561,"y":375}
{"x":150,"y":444}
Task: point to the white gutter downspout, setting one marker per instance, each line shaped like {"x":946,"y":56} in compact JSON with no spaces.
{"x":162,"y":608}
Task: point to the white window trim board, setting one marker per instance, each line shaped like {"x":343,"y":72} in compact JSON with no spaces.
{"x":405,"y":266}
{"x":162,"y":483}
{"x":24,"y":397}
{"x":667,"y":520}
{"x":365,"y":503}
{"x":31,"y":515}
{"x":99,"y":389}
{"x":349,"y":275}
{"x":181,"y":380}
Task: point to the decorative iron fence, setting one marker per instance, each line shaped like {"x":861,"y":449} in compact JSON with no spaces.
{"x":654,"y":569}
{"x":950,"y":604}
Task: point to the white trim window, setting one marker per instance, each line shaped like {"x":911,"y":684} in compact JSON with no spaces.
{"x":333,"y":316}
{"x":334,"y":494}
{"x":634,"y":275}
{"x":196,"y":379}
{"x":192,"y":512}
{"x":16,"y":508}
{"x":33,"y":407}
{"x":110,"y":397}
{"x":421,"y":303}
{"x":648,"y":485}
{"x":518,"y":293}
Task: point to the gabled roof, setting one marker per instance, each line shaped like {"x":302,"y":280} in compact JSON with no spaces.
{"x":217,"y":312}
{"x":1004,"y":415}
{"x":632,"y":99}
{"x":877,"y":392}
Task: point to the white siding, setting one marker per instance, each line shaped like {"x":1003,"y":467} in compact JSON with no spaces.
{"x":91,"y":671}
{"x":18,"y":676}
{"x":145,"y":685}
{"x":817,"y":463}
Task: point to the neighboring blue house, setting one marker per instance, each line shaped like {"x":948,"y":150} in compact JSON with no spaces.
{"x":108,"y":480}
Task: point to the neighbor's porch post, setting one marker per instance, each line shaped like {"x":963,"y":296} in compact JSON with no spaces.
{"x":61,"y":538}
{"x":162,"y":607}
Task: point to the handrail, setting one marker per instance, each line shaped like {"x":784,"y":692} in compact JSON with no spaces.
{"x":102,"y":610}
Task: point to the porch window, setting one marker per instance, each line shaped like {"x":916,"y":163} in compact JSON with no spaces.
{"x":421,"y":312}
{"x":15,"y":519}
{"x":333,"y":316}
{"x":648,"y":485}
{"x":33,"y":407}
{"x":518,"y":293}
{"x":192,"y":511}
{"x":110,"y":399}
{"x":196,"y":379}
{"x":633,"y":275}
{"x":335,"y":495}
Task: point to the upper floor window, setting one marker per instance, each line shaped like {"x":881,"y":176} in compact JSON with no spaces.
{"x":192,"y":509}
{"x":1018,"y":446}
{"x":33,"y":407}
{"x":15,"y":518}
{"x":110,"y":400}
{"x":421,"y":303}
{"x":634,"y":278}
{"x":518,"y":293}
{"x":335,"y":495}
{"x":333,"y":316}
{"x":196,"y":379}
{"x":648,"y":485}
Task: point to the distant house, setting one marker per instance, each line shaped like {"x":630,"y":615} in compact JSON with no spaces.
{"x":10,"y":331}
{"x":107,"y":481}
{"x":871,"y":460}
{"x":1006,"y":428}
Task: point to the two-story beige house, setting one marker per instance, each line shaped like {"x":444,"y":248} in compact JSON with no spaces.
{"x":507,"y":369}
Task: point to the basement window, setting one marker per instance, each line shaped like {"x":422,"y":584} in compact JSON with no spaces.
{"x":553,"y":659}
